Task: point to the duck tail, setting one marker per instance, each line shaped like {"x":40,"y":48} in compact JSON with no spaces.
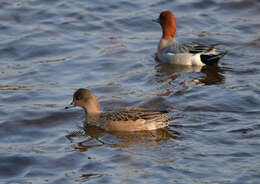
{"x":210,"y":59}
{"x":168,"y":111}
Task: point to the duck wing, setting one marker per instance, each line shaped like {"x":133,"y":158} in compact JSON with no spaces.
{"x":188,"y":47}
{"x":132,"y":115}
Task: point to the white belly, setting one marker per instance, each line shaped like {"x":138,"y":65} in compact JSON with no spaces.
{"x":180,"y":59}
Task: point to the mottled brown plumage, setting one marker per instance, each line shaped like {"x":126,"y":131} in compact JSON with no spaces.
{"x":126,"y":119}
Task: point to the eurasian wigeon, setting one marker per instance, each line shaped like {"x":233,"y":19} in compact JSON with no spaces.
{"x":126,"y":119}
{"x":190,"y":53}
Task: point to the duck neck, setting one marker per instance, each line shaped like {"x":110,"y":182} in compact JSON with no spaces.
{"x":92,"y":113}
{"x":92,"y":108}
{"x":168,"y":33}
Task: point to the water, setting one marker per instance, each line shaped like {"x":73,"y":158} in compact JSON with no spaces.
{"x":49,"y":48}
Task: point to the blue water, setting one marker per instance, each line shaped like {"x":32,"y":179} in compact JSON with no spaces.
{"x":50,"y":48}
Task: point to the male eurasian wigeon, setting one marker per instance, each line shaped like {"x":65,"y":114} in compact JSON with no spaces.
{"x":127,"y":119}
{"x":173,"y":52}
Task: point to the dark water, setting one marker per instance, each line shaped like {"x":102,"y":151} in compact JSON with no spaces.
{"x":49,"y":48}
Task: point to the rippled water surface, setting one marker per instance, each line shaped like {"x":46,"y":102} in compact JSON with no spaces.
{"x":49,"y":48}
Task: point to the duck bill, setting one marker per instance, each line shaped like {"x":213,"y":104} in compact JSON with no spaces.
{"x":156,"y":20}
{"x":71,"y":105}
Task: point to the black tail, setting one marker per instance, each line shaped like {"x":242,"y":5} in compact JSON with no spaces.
{"x":168,"y":111}
{"x":210,"y":59}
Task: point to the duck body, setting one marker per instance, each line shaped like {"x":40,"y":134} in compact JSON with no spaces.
{"x":123,"y":120}
{"x":189,"y":53}
{"x":133,"y":120}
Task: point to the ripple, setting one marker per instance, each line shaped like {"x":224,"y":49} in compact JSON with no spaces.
{"x":91,"y":176}
{"x":20,"y":163}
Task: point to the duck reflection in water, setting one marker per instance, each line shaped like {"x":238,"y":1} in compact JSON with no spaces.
{"x":89,"y":136}
{"x":213,"y":74}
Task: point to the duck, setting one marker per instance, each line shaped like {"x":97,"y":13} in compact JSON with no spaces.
{"x":190,"y":53}
{"x":129,"y":119}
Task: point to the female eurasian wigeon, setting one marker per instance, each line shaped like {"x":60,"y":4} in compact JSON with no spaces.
{"x":127,"y":119}
{"x":173,"y":52}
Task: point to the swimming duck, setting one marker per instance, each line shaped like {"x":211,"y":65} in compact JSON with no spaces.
{"x":190,"y":53}
{"x":126,"y":119}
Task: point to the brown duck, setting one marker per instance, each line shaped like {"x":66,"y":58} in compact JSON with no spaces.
{"x":126,"y":119}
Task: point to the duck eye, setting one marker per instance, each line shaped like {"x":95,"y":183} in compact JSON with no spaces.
{"x":77,"y":98}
